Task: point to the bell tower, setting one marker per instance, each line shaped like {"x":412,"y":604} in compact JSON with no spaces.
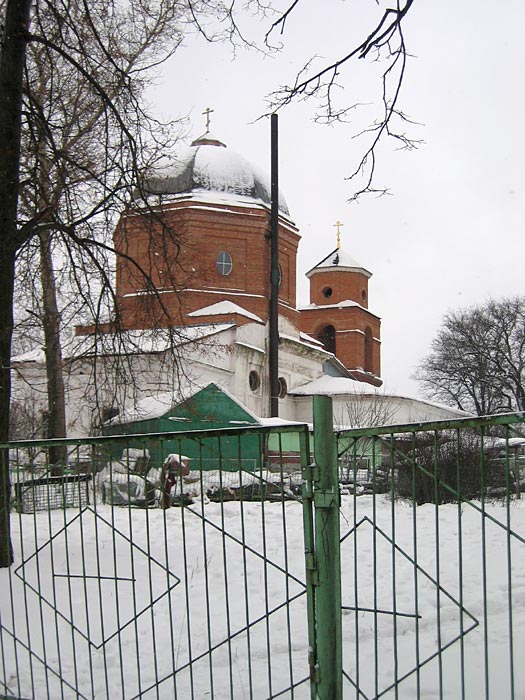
{"x":339,"y":317}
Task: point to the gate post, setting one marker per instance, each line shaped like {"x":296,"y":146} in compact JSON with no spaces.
{"x":329,"y":676}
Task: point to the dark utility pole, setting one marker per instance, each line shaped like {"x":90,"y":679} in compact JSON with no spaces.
{"x":274,"y":272}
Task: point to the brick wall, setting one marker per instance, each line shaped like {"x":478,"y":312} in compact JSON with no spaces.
{"x":357,"y":330}
{"x":179,"y":248}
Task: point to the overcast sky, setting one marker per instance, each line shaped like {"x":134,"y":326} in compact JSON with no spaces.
{"x":451,"y":233}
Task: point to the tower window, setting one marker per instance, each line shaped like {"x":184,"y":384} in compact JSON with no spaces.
{"x":363,"y":295}
{"x":327,"y":337}
{"x":224,"y":263}
{"x":369,"y":350}
{"x":327,"y":292}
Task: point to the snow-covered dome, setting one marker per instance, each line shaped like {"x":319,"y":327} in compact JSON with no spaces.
{"x":208,"y":167}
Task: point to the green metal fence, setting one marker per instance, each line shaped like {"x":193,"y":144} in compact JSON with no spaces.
{"x":112,"y":596}
{"x":433,"y":565}
{"x":388,"y":563}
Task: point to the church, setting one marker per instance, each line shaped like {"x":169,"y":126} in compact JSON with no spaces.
{"x":192,"y":291}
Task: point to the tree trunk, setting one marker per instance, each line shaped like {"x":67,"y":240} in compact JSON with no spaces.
{"x":7,"y":275}
{"x":12,"y":60}
{"x":56,"y":419}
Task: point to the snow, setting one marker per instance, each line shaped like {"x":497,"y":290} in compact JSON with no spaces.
{"x":221,"y":292}
{"x":301,"y":340}
{"x":212,"y":168}
{"x":329,"y":386}
{"x":310,"y":339}
{"x":147,"y":408}
{"x":152,"y":576}
{"x":133,"y":341}
{"x":345,"y":304}
{"x":225,"y":307}
{"x":250,"y":347}
{"x":342,"y":259}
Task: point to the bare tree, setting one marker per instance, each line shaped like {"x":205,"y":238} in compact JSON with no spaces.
{"x":12,"y":60}
{"x":64,"y":156}
{"x":89,"y":60}
{"x":384,"y":44}
{"x":477,"y":359}
{"x":360,"y":459}
{"x":73,"y":190}
{"x":70,"y":195}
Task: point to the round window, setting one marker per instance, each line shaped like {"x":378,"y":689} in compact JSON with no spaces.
{"x":363,"y":295}
{"x":224,"y":263}
{"x":327,"y":292}
{"x":254,"y":380}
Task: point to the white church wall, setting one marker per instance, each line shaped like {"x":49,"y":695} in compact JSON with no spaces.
{"x":384,"y":409}
{"x":94,"y":387}
{"x":370,"y":409}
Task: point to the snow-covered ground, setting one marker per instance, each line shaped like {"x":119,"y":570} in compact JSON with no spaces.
{"x":113,"y":601}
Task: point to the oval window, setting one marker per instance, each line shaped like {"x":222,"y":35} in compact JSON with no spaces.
{"x":224,"y":263}
{"x":254,"y":380}
{"x":327,"y":292}
{"x":283,"y":388}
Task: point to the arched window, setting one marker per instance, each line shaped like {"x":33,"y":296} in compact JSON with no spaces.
{"x":224,"y":263}
{"x":369,"y":350}
{"x":327,"y":337}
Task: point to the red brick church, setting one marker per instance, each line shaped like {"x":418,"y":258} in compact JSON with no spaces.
{"x":203,"y":240}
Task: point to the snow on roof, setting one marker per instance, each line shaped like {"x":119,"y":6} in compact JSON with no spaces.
{"x":152,"y":407}
{"x":225,"y":307}
{"x":207,"y":165}
{"x":146,"y":409}
{"x":128,"y":342}
{"x":500,"y":443}
{"x":328,"y":385}
{"x":304,"y":342}
{"x":310,"y":339}
{"x":275,"y":422}
{"x":341,"y":259}
{"x":340,"y":305}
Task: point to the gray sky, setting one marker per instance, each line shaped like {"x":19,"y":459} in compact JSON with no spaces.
{"x":451,"y":233}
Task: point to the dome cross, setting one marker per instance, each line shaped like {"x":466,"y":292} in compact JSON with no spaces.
{"x":338,"y":225}
{"x":207,"y":113}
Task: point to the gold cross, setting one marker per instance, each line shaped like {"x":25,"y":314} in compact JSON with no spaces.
{"x":338,"y":224}
{"x":207,"y":112}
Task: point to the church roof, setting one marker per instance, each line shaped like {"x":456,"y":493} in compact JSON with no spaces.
{"x":127,"y":342}
{"x":341,"y":260}
{"x":209,"y":167}
{"x":222,"y":308}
